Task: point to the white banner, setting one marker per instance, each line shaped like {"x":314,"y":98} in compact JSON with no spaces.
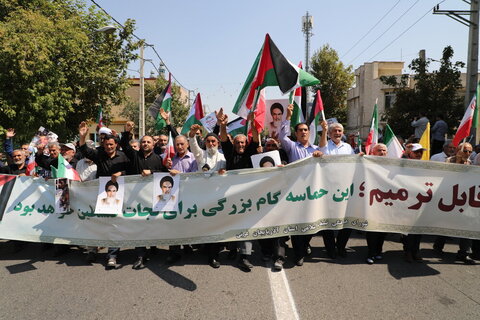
{"x":364,"y":193}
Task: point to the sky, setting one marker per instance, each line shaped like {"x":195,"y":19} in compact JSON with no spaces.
{"x":210,"y":45}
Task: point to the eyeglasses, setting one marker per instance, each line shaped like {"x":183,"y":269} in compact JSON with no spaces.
{"x":467,"y":151}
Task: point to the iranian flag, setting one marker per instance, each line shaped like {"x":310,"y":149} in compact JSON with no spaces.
{"x":299,"y":100}
{"x":196,"y":113}
{"x":169,"y":152}
{"x":314,"y":118}
{"x":163,"y":101}
{"x":270,"y":68}
{"x":100,"y":118}
{"x":260,"y":112}
{"x":394,"y":148}
{"x":65,"y":170}
{"x":463,"y":130}
{"x":372,"y":138}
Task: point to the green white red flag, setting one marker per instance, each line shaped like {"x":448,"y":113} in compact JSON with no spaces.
{"x":169,"y":152}
{"x":463,"y":130}
{"x":64,"y":170}
{"x":100,"y":118}
{"x":372,"y":138}
{"x":394,"y":148}
{"x":316,"y":114}
{"x":194,"y":116}
{"x":270,"y":68}
{"x":299,"y":100}
{"x":163,"y":101}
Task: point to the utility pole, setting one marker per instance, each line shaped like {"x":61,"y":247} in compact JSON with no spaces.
{"x":472,"y":59}
{"x":141,"y":108}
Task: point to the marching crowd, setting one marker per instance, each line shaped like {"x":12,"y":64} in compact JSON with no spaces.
{"x":218,"y":152}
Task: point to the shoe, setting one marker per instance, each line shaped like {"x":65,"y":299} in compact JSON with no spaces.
{"x":278,"y":265}
{"x":378,"y":257}
{"x":173,"y":257}
{"x":370,"y":260}
{"x":111,"y":263}
{"x":91,"y":257}
{"x":465,"y":259}
{"x":408,"y":257}
{"x":232,"y":254}
{"x":214,"y":263}
{"x":244,"y":264}
{"x":309,"y":250}
{"x":299,"y":262}
{"x":139,"y":264}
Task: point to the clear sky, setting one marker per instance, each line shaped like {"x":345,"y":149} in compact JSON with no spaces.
{"x":210,"y":45}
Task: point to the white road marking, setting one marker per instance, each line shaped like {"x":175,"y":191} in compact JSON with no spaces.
{"x":282,"y":296}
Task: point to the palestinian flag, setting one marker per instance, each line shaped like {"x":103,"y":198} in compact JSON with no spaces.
{"x":64,"y":170}
{"x":314,"y":119}
{"x":270,"y":68}
{"x":425,"y":142}
{"x":194,"y":116}
{"x":463,"y":130}
{"x":163,"y":101}
{"x":6,"y":186}
{"x":237,"y":126}
{"x":372,"y":138}
{"x":169,"y":152}
{"x":299,"y":100}
{"x":394,"y":148}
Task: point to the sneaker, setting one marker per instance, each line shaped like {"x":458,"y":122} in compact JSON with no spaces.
{"x":299,"y":262}
{"x":309,"y":250}
{"x":111,"y":263}
{"x":214,"y":263}
{"x":244,"y":264}
{"x":278,"y":265}
{"x":139,"y":264}
{"x":370,"y":260}
{"x":465,"y":259}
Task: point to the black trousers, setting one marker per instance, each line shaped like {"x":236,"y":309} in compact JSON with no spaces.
{"x":412,"y":243}
{"x":300,"y":245}
{"x":375,"y":242}
{"x":341,"y":242}
{"x":274,"y":247}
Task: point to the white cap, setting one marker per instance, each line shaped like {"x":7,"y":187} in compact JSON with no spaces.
{"x":104,"y":130}
{"x":417,"y":147}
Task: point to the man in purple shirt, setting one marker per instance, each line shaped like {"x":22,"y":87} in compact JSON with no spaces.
{"x":183,"y":161}
{"x":297,"y":150}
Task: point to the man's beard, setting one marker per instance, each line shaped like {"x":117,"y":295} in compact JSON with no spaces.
{"x":19,"y":163}
{"x":212,"y":151}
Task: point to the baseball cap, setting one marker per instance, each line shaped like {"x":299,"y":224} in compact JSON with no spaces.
{"x":417,"y":147}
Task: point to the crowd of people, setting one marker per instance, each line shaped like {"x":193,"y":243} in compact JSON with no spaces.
{"x":217,"y":152}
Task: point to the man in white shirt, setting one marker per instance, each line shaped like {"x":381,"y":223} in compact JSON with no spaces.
{"x":335,"y":146}
{"x":209,"y":160}
{"x":448,"y":151}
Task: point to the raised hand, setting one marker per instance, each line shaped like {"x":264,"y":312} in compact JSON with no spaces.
{"x":10,"y":133}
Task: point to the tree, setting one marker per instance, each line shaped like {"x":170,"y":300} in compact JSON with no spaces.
{"x":55,"y":69}
{"x":433,"y":93}
{"x":180,"y":107}
{"x":335,"y":80}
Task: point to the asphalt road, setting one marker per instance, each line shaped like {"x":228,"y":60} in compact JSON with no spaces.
{"x":36,"y":285}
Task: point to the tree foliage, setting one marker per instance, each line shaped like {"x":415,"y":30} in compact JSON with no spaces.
{"x":433,"y":93}
{"x":335,"y":80}
{"x":55,"y":69}
{"x":180,"y":107}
